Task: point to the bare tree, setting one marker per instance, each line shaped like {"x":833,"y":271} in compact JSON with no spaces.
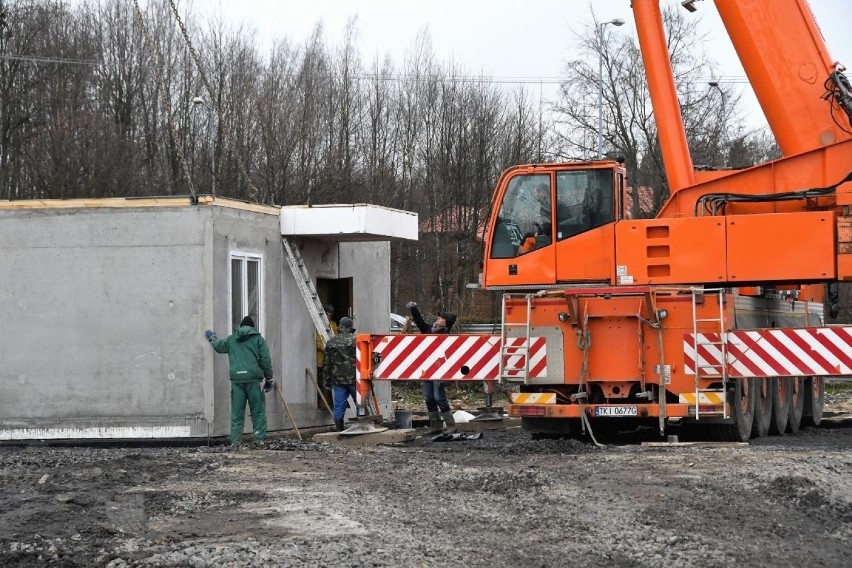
{"x":629,"y":127}
{"x":301,"y":124}
{"x":378,"y":136}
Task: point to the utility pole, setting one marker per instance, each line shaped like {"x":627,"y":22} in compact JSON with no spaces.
{"x":714,"y":84}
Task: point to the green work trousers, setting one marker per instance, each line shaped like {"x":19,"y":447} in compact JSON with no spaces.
{"x":251,"y":392}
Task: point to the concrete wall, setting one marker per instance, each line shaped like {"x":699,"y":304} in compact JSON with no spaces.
{"x":104,"y":312}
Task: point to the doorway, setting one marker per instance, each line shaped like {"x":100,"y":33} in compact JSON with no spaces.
{"x":338,"y":293}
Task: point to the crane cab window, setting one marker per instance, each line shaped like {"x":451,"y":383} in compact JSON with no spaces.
{"x":524,"y":222}
{"x":583,"y":201}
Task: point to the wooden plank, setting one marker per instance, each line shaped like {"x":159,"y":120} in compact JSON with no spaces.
{"x":695,"y":444}
{"x":234,"y":204}
{"x":372,"y":439}
{"x":105,"y":203}
{"x":123,"y":203}
{"x":485,"y":425}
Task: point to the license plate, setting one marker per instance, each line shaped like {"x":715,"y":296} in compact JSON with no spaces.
{"x":616,"y":411}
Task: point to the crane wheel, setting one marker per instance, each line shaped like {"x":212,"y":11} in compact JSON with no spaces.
{"x":741,"y":399}
{"x":814,"y":401}
{"x":780,"y":390}
{"x":762,"y":408}
{"x":797,"y":404}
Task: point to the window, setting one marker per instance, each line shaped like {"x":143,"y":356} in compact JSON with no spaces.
{"x":246,"y":289}
{"x":524,"y":222}
{"x":583,"y":201}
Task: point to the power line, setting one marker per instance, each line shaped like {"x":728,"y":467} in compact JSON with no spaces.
{"x":57,"y":60}
{"x":498,"y":80}
{"x":522,"y":80}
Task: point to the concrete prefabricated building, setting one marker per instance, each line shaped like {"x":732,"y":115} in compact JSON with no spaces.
{"x":104,"y":304}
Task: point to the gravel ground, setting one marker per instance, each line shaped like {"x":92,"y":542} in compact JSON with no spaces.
{"x":503,"y":500}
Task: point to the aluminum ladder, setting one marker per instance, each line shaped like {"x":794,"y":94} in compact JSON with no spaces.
{"x":506,"y":350}
{"x":307,"y":290}
{"x":717,"y":371}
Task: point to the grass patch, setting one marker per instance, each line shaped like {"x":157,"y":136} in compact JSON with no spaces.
{"x":468,"y":395}
{"x":838,"y":386}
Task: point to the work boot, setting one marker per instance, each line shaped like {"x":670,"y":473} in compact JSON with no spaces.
{"x":338,"y":425}
{"x":434,"y":423}
{"x":450,"y":421}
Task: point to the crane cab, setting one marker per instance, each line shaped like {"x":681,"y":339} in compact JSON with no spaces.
{"x":552,"y":224}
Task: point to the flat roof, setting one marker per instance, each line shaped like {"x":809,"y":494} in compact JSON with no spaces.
{"x":128,"y":202}
{"x":349,"y":222}
{"x":338,"y":222}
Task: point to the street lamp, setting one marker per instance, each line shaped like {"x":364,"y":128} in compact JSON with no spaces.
{"x":198,"y":101}
{"x":689,"y":5}
{"x":614,"y":22}
{"x":714,"y":84}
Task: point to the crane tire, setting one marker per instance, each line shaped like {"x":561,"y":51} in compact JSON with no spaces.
{"x":780,"y":390}
{"x":741,"y":399}
{"x":797,"y":404}
{"x":814,"y":401}
{"x":762,"y":407}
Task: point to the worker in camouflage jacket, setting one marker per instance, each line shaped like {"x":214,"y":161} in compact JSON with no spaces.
{"x":249,"y":363}
{"x":339,"y":368}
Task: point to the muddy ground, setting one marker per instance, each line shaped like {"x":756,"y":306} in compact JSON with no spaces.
{"x":503,"y":500}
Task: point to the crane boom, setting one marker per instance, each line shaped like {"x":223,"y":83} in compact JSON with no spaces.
{"x":789,"y":67}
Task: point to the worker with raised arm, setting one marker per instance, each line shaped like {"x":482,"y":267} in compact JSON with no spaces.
{"x":339,"y":368}
{"x":435,"y":392}
{"x":249,"y":364}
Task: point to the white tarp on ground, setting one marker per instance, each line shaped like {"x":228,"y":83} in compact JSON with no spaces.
{"x":462,"y":416}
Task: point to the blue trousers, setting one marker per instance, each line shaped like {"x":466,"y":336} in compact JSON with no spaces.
{"x":341,"y":397}
{"x":435,"y":395}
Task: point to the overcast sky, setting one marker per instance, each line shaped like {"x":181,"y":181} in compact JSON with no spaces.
{"x":508,"y":39}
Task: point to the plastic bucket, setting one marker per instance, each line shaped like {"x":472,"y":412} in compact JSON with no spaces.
{"x":403,"y":418}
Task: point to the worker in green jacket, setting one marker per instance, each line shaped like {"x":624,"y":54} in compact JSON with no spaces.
{"x":249,"y":363}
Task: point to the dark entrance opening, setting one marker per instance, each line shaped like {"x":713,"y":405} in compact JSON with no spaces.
{"x":338,"y":293}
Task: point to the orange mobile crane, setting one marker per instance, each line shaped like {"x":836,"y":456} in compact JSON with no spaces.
{"x":709,"y":314}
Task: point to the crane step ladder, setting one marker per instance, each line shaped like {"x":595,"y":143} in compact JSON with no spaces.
{"x":508,"y":351}
{"x":714,"y":401}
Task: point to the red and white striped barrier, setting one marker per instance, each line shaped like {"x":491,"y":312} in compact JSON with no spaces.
{"x":783,"y":352}
{"x":454,"y":357}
